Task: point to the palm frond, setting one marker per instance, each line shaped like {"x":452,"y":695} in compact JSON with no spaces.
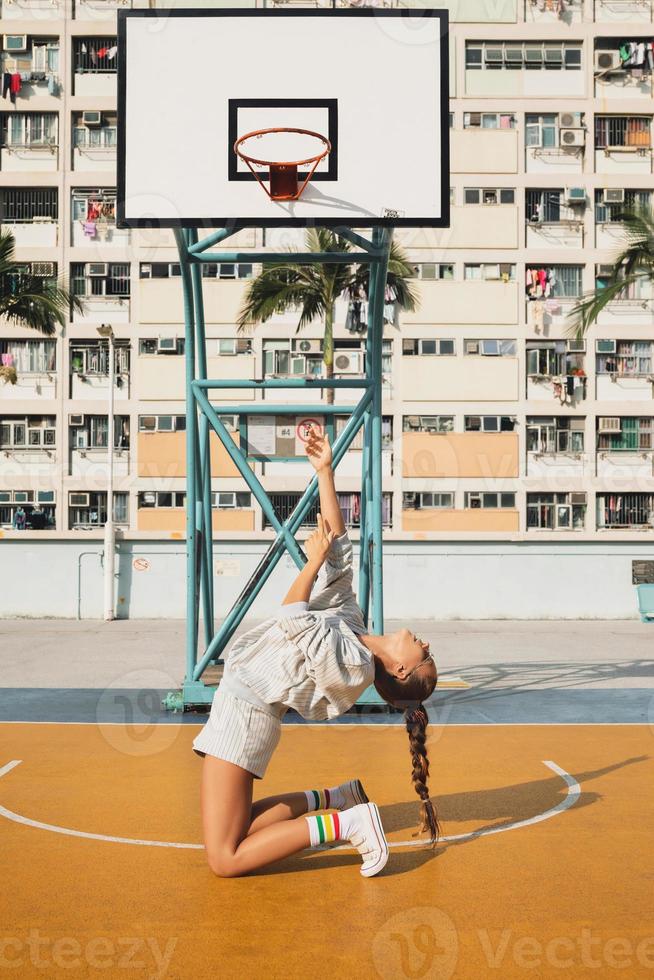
{"x":38,"y":303}
{"x":586,"y":311}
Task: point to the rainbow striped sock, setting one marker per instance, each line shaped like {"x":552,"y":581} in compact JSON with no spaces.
{"x":319,"y":799}
{"x":324,"y":829}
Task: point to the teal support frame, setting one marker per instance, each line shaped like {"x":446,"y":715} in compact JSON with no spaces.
{"x":203,"y":417}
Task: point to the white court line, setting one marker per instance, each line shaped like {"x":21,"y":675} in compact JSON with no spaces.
{"x":570,"y":799}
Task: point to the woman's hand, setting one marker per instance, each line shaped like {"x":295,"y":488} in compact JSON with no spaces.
{"x":318,"y":450}
{"x":319,"y":543}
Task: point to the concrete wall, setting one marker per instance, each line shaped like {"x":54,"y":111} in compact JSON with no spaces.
{"x":438,"y":579}
{"x":465,"y":454}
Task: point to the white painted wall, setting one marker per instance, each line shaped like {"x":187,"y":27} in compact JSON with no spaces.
{"x":427,"y":580}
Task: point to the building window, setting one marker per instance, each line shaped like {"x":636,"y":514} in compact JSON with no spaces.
{"x":638,"y":289}
{"x":622,"y":131}
{"x":433,"y":270}
{"x":30,"y":356}
{"x":162,"y":423}
{"x":490,"y":348}
{"x":92,"y":431}
{"x":624,"y":434}
{"x":624,"y":358}
{"x":28,"y":130}
{"x":90,"y":279}
{"x":541,"y":129}
{"x":88,"y":510}
{"x":505,"y":271}
{"x":428,"y":423}
{"x":340,"y":422}
{"x":619,"y":510}
{"x":98,"y":55}
{"x":41,"y":58}
{"x":227,"y":270}
{"x":159,"y":270}
{"x":231,"y":499}
{"x":556,"y":511}
{"x":100,"y":134}
{"x":19,"y":204}
{"x":435,"y":347}
{"x":553,"y":358}
{"x":421,"y":501}
{"x":27,"y":432}
{"x":489,"y":195}
{"x":283,"y":359}
{"x":159,"y":498}
{"x":530,"y":55}
{"x":27,"y":510}
{"x":544,"y":205}
{"x":489,"y":120}
{"x":611,"y":202}
{"x":94,"y":209}
{"x":559,"y":434}
{"x":161,"y":345}
{"x":228,"y":346}
{"x":350,"y":504}
{"x":563,"y":281}
{"x":489,"y":423}
{"x":483,"y":500}
{"x":91,"y":357}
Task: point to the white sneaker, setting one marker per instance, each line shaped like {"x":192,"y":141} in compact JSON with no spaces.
{"x":367,"y":835}
{"x":352,"y":794}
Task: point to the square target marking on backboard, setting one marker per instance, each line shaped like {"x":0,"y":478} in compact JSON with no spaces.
{"x":374,"y":82}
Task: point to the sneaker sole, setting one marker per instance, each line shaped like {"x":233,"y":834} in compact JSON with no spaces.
{"x":378,"y":832}
{"x":358,"y":792}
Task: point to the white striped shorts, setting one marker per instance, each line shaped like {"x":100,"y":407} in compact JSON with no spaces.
{"x":239,"y":732}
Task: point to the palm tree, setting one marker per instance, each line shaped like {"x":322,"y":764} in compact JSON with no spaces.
{"x":30,"y":301}
{"x":314,"y":289}
{"x":635,"y":261}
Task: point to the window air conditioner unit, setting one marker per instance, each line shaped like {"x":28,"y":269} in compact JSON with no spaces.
{"x":570,"y":120}
{"x":472,"y":346}
{"x":613,"y":195}
{"x":307,"y":346}
{"x":577,"y":346}
{"x":605,"y":269}
{"x":226,"y":499}
{"x":79,"y":499}
{"x":572,"y":137}
{"x":609,"y":425}
{"x":410,"y":499}
{"x":166,"y":343}
{"x":575,"y":195}
{"x":605,"y":346}
{"x":92,"y":118}
{"x":76,"y":420}
{"x":43,"y":268}
{"x":98,"y":268}
{"x":348,"y":362}
{"x":577,"y":498}
{"x":15,"y":42}
{"x":606,"y":60}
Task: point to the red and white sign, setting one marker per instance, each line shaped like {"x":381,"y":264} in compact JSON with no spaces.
{"x":302,"y":430}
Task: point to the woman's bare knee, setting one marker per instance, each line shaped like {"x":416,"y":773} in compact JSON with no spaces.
{"x":223,"y":865}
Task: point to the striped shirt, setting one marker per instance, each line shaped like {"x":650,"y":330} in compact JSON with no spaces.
{"x":308,"y":656}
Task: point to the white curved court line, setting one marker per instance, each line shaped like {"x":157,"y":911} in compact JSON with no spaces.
{"x":569,"y":800}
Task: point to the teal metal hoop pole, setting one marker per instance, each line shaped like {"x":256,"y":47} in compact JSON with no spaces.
{"x":202,"y":417}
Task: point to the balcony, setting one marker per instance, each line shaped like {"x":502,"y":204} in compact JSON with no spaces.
{"x":16,"y":461}
{"x":38,"y":232}
{"x":36,"y":60}
{"x":555,"y":217}
{"x":628,"y":11}
{"x":539,"y":12}
{"x":95,"y":64}
{"x":89,"y":377}
{"x":621,"y":73}
{"x":94,"y":220}
{"x":460,"y":454}
{"x":625,"y":466}
{"x":458,"y":379}
{"x":623,"y":145}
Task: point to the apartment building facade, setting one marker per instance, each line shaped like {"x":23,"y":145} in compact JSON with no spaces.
{"x":497,"y":422}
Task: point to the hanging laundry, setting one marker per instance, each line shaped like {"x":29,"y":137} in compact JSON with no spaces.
{"x":83,"y":47}
{"x":102,"y":52}
{"x":89,"y":228}
{"x":6,"y":83}
{"x":53,"y":85}
{"x":111,"y":52}
{"x":93,"y":56}
{"x":14,"y":86}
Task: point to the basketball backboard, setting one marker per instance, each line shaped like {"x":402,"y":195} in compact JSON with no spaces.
{"x":374,"y":82}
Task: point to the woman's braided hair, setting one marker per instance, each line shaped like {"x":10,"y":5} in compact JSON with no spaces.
{"x":409,"y":695}
{"x":416,"y":725}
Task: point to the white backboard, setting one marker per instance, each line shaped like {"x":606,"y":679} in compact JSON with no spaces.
{"x":374,"y":82}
